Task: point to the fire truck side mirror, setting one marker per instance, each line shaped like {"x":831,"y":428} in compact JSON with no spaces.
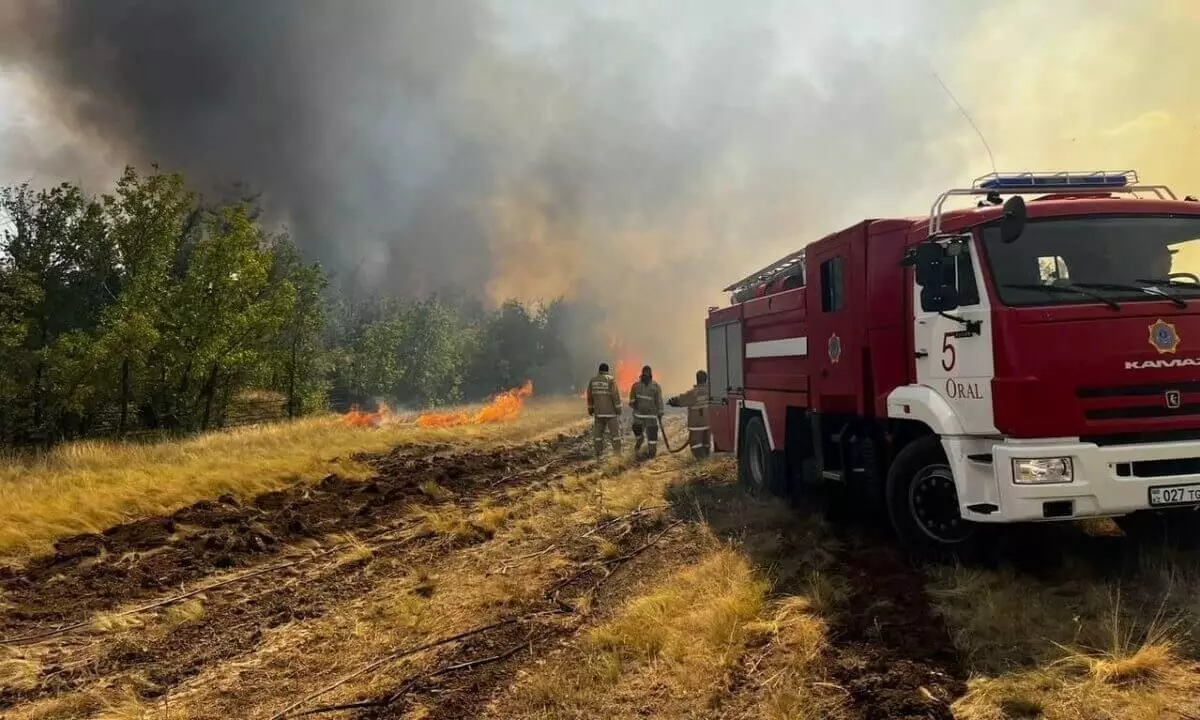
{"x":1013,"y":222}
{"x":927,"y":260}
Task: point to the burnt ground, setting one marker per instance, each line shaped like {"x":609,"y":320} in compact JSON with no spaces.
{"x":894,"y":655}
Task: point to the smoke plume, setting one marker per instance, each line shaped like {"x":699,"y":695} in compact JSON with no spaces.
{"x":635,"y":156}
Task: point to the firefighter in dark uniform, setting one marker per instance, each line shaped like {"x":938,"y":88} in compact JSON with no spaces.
{"x":604,"y":405}
{"x":696,"y":401}
{"x":645,"y":397}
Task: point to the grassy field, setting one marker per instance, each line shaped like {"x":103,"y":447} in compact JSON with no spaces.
{"x":88,"y":486}
{"x":550,"y":586}
{"x":1110,"y":633}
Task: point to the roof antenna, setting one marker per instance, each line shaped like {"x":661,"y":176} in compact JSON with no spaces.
{"x":968,"y":117}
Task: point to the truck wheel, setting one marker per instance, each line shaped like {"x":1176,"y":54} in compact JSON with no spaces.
{"x":1180,"y":526}
{"x":922,"y":501}
{"x":758,"y":467}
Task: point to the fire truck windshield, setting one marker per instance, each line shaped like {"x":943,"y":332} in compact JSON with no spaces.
{"x":1125,"y":258}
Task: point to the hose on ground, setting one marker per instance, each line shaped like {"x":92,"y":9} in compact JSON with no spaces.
{"x":662,"y":428}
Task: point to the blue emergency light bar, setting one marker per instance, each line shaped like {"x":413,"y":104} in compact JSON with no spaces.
{"x":1091,"y":180}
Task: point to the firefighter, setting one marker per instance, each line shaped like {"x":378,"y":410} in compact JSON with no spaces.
{"x":645,"y":397}
{"x":604,"y":405}
{"x":696,"y":401}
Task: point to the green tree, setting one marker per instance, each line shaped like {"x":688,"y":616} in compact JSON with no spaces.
{"x":148,"y":219}
{"x":302,"y":360}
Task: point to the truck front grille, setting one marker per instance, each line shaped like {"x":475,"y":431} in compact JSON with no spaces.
{"x":1140,"y":438}
{"x":1160,"y":389}
{"x":1159,"y":468}
{"x":1141,"y":412}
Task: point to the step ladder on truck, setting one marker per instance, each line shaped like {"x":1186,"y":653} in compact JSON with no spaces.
{"x":1007,"y":362}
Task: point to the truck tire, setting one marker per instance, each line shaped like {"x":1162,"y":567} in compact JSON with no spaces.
{"x":922,"y":501}
{"x":759,"y":468}
{"x":1176,"y":526}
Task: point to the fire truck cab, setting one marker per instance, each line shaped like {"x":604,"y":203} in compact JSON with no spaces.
{"x":1008,"y":362}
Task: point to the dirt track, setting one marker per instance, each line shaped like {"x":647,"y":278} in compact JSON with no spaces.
{"x":76,"y":613}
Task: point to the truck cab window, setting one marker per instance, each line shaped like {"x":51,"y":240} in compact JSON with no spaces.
{"x":1119,"y":252}
{"x":832,"y":285}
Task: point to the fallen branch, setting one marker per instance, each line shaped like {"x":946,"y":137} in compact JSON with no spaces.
{"x":402,"y":654}
{"x":627,"y":516}
{"x":384,"y":702}
{"x":612,"y":561}
{"x":513,"y":563}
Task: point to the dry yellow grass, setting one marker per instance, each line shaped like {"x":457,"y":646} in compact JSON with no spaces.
{"x":86,"y":487}
{"x":682,"y":637}
{"x":672,"y":648}
{"x":792,"y":688}
{"x":189,"y":611}
{"x":18,"y":671}
{"x":1075,"y":648}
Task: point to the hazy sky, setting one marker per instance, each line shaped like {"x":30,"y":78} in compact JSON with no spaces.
{"x":637,"y":155}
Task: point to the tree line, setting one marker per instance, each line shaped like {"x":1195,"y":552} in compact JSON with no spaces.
{"x":148,"y":309}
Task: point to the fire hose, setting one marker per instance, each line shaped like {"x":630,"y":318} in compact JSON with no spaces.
{"x":663,"y":429}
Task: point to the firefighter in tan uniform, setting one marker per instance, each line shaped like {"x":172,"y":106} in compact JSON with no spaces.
{"x":645,"y":397}
{"x":696,"y":401}
{"x":604,"y":405}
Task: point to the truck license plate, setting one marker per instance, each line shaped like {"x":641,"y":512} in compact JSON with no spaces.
{"x":1175,"y":495}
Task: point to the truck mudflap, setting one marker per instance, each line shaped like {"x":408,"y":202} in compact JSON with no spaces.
{"x":1063,"y":479}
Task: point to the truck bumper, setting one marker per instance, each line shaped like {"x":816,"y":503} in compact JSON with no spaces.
{"x":1106,"y":480}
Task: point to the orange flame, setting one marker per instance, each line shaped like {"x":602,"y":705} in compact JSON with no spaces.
{"x":360,"y":418}
{"x":505,"y":406}
{"x":627,"y":373}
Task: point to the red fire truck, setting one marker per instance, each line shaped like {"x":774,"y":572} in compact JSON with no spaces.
{"x":1006,"y":362}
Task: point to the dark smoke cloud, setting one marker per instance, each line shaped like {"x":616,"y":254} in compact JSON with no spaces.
{"x":636,"y":155}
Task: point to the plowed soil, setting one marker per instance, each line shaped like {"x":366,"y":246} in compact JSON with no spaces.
{"x":90,"y":574}
{"x":141,"y":559}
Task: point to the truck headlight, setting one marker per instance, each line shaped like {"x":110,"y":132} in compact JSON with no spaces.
{"x":1043,"y":471}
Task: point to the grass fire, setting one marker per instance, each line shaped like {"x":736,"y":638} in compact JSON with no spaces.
{"x":504,"y":406}
{"x":501,"y":407}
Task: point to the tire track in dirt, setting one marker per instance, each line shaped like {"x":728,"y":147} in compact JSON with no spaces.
{"x":472,"y":672}
{"x":235,"y":617}
{"x":892,"y":654}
